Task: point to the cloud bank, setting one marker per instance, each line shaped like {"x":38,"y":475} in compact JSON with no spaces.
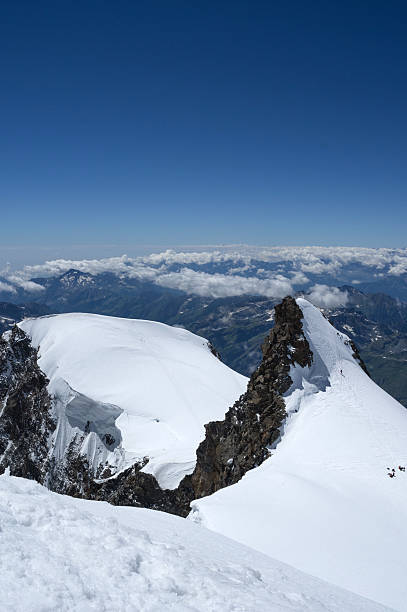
{"x":7,"y":288}
{"x":222,"y":285}
{"x":235,"y":270}
{"x":327,"y":297}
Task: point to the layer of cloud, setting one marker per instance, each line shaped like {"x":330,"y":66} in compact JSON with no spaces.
{"x":314,"y":260}
{"x":222,"y":285}
{"x":7,"y":288}
{"x":327,"y":297}
{"x":238,"y":270}
{"x":20,"y":282}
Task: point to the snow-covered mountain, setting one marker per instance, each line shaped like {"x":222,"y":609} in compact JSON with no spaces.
{"x":131,"y":391}
{"x":66,"y":554}
{"x":323,"y":501}
{"x":298,"y":464}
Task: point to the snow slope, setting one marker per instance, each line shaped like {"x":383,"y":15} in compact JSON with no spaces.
{"x":66,"y":554}
{"x":151,"y":386}
{"x":323,"y":502}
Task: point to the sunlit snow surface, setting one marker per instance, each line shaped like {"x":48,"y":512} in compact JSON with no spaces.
{"x":65,"y":554}
{"x":165,"y":382}
{"x":324,"y":502}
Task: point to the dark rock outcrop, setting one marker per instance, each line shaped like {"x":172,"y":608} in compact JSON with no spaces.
{"x":244,"y":438}
{"x":214,"y":351}
{"x":135,"y":488}
{"x":358,"y":358}
{"x":26,"y":422}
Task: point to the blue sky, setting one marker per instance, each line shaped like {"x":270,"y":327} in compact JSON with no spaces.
{"x":170,"y":123}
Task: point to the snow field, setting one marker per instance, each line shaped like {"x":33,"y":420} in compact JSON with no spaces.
{"x":66,"y":554}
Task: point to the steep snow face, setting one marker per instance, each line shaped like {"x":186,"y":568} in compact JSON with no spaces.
{"x":150,"y":386}
{"x":323,"y":501}
{"x":61,"y":553}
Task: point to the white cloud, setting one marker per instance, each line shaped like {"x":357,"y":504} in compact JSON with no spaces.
{"x":294,"y":267}
{"x":222,"y":285}
{"x":299,"y":278}
{"x":327,"y":297}
{"x":7,"y":288}
{"x":192,"y":257}
{"x":25,"y":284}
{"x":312,"y":259}
{"x":399,"y":266}
{"x":316,"y":266}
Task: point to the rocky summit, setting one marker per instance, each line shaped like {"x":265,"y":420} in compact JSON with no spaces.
{"x":252,"y":425}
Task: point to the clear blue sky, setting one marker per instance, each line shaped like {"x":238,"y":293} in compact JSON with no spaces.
{"x":203,"y":122}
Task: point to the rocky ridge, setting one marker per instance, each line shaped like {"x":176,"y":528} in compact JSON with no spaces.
{"x":244,"y":438}
{"x":231,"y":447}
{"x":252,"y":425}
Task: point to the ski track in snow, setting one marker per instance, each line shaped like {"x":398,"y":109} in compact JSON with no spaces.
{"x":69,"y":555}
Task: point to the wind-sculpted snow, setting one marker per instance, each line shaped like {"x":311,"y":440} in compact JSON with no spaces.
{"x":324,"y":501}
{"x":149,"y":386}
{"x":65,"y":554}
{"x":86,"y":425}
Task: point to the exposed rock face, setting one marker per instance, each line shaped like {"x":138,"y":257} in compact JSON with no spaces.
{"x":243,"y":439}
{"x":214,"y":351}
{"x":356,"y":355}
{"x":26,"y":423}
{"x":135,"y":488}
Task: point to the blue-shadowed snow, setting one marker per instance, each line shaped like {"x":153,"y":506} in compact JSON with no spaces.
{"x":70,"y":555}
{"x":324,"y":502}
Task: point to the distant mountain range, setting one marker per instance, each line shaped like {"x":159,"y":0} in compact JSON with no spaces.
{"x":235,"y":325}
{"x":227,"y":271}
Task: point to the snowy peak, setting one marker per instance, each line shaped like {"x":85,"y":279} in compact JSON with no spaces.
{"x":148,"y":385}
{"x":332,"y":350}
{"x":323,"y":500}
{"x":71,"y":279}
{"x":74,"y":278}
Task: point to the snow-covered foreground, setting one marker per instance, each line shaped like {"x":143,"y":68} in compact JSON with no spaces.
{"x":65,"y":554}
{"x":148,"y":384}
{"x":323,"y":502}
